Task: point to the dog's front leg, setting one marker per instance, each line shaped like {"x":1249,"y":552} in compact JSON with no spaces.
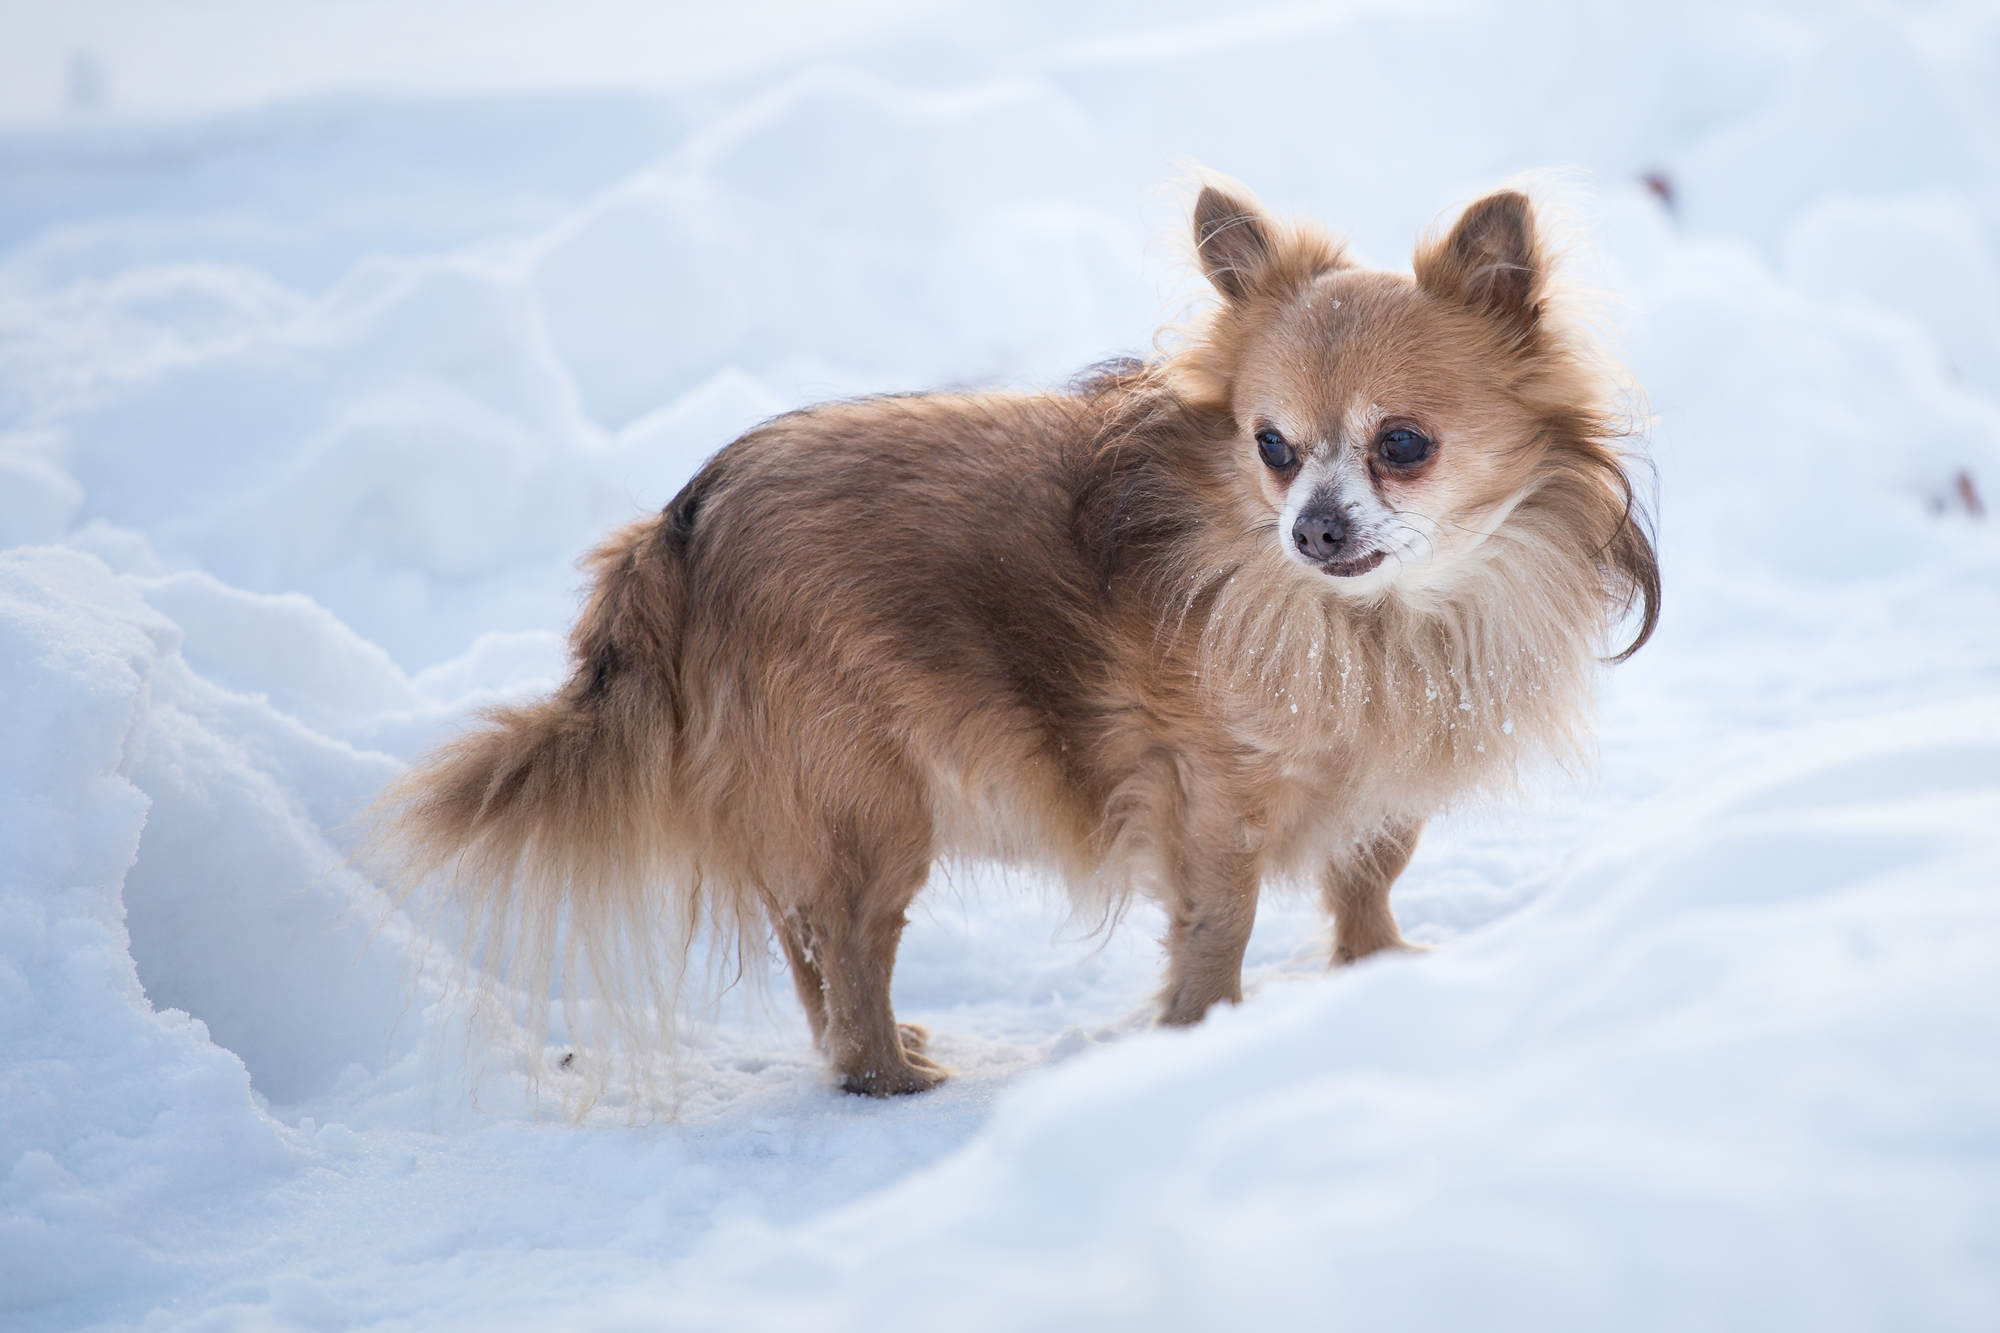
{"x":1356,"y":891}
{"x":1214,"y":906}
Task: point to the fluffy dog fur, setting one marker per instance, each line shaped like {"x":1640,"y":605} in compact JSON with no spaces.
{"x":1248,"y":613}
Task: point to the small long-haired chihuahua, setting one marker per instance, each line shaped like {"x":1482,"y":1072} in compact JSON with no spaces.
{"x":1248,"y":613}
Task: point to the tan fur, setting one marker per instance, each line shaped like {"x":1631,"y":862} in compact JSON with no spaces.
{"x":1064,"y":630}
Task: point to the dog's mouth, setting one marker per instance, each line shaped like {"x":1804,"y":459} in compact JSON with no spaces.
{"x":1355,"y":568}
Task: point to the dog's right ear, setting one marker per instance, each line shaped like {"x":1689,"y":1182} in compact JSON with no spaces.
{"x":1233,"y":238}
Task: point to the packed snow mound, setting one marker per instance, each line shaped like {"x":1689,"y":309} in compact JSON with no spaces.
{"x":229,"y":902}
{"x":109,"y":1106}
{"x":307,"y":412}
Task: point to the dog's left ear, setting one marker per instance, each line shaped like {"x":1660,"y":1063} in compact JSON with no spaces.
{"x":1490,"y":262}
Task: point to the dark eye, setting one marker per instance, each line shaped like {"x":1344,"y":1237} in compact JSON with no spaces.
{"x":1403,"y":447}
{"x":1276,"y":453}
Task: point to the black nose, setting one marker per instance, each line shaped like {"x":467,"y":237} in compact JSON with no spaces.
{"x":1321,"y":530}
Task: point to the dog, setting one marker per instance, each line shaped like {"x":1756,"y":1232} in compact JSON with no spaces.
{"x":1250,"y":612}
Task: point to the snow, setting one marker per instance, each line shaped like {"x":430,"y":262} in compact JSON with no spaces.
{"x":308,"y":405}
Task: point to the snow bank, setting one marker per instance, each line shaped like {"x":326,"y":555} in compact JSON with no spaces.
{"x":1739,"y":1060}
{"x":111,"y":1108}
{"x":307,"y":411}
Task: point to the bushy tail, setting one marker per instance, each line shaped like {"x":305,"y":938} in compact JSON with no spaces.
{"x":548,"y":834}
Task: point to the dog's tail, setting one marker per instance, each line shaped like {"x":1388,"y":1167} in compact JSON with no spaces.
{"x":548,"y":834}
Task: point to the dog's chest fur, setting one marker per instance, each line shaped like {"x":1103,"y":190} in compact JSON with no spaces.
{"x":1274,"y":718}
{"x":1328,"y":723}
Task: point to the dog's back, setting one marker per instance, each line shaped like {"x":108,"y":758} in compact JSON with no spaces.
{"x":941,"y":605}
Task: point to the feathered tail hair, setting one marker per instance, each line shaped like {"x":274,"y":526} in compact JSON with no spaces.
{"x":547,"y":836}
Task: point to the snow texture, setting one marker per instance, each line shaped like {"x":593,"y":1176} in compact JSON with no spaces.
{"x":306,"y":410}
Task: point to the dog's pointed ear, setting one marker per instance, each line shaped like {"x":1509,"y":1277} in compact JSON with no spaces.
{"x":1234,"y":240}
{"x":1490,"y":262}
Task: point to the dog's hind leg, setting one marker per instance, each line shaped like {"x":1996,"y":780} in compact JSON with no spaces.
{"x":845,"y":936}
{"x":795,"y":936}
{"x":1356,"y":891}
{"x":802,"y":954}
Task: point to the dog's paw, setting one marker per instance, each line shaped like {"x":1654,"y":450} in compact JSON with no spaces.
{"x":1344,"y":954}
{"x":916,"y":1038}
{"x":916,"y":1073}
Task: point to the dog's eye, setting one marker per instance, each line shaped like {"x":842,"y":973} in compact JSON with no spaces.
{"x":1403,"y":447}
{"x":1276,"y":453}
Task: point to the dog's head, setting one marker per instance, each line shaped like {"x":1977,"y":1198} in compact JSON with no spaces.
{"x":1386,"y":425}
